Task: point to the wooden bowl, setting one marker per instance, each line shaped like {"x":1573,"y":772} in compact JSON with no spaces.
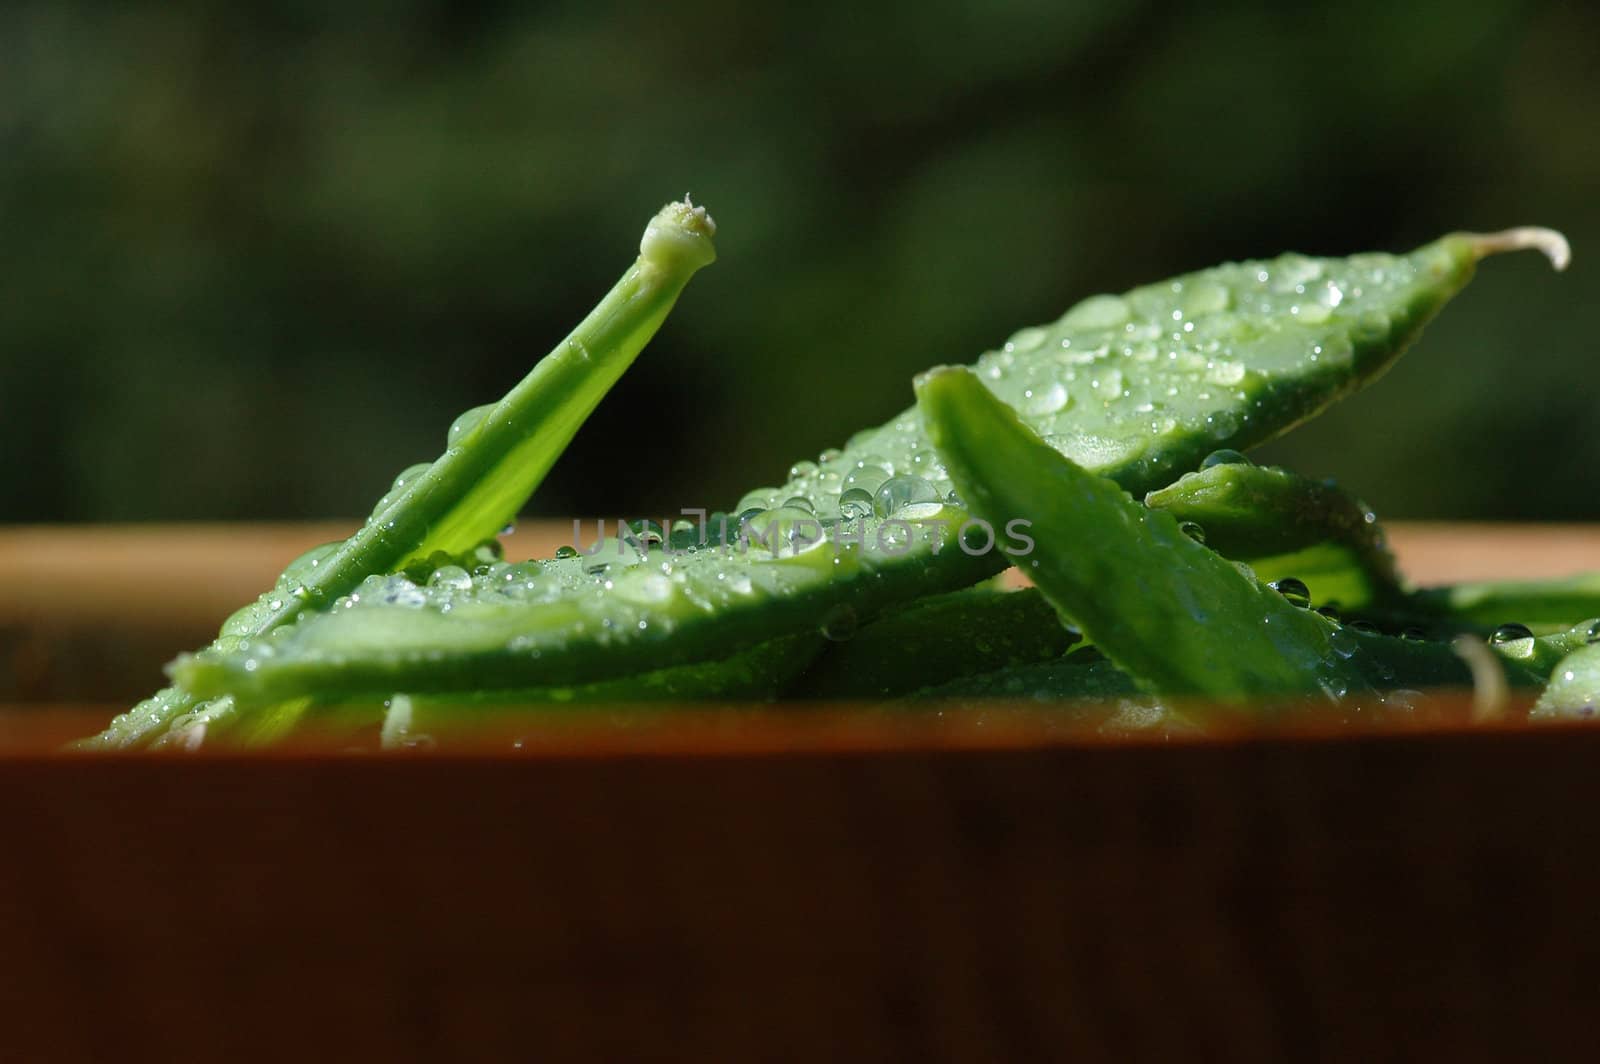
{"x":759,"y":884}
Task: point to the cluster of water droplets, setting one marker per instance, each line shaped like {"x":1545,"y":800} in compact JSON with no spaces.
{"x":1107,"y":383}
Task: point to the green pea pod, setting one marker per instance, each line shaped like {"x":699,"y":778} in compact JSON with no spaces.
{"x":936,"y":639}
{"x":495,"y":457}
{"x":1536,"y":603}
{"x":1176,"y":616}
{"x":1138,"y":388}
{"x":1574,"y":690}
{"x":1383,"y":663}
{"x":754,"y":674}
{"x":1285,"y":525}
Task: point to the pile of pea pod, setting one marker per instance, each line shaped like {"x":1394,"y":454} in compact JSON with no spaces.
{"x":1100,"y":454}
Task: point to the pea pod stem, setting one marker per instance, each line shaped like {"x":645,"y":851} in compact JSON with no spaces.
{"x":485,"y":476}
{"x":1552,"y":244}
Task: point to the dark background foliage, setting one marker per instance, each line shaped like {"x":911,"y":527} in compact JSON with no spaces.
{"x":251,"y":265}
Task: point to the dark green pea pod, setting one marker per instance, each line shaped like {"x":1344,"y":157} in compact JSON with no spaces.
{"x":936,"y":639}
{"x":1285,"y":525}
{"x":1180,"y":619}
{"x":1138,"y":388}
{"x":1082,"y":675}
{"x":495,"y":457}
{"x":1383,"y":663}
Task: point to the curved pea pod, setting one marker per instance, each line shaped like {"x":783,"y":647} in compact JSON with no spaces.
{"x":1537,"y":603}
{"x":1176,"y":616}
{"x":936,"y":639}
{"x":1540,"y":655}
{"x":1574,"y":689}
{"x":494,"y":458}
{"x":1285,"y":525}
{"x":1138,"y":388}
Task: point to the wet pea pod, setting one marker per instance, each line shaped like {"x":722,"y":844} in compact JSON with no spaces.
{"x":1138,"y":388}
{"x":755,"y":674}
{"x":1540,"y":604}
{"x":569,"y":621}
{"x":1285,"y":525}
{"x":1174,"y":615}
{"x":495,"y":457}
{"x":1574,"y":689}
{"x":1383,"y":663}
{"x":934,"y":640}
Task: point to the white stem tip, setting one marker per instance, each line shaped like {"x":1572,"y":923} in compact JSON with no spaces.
{"x":1551,"y":243}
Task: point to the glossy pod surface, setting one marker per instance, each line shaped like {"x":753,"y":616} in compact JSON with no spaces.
{"x":1138,"y":387}
{"x":1287,"y":525}
{"x":495,"y":457}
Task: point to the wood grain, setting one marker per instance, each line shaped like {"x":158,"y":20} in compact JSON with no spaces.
{"x":1396,"y":898}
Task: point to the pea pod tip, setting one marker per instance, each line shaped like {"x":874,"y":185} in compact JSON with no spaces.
{"x":929,"y":376}
{"x":1550,"y":242}
{"x":679,"y":237}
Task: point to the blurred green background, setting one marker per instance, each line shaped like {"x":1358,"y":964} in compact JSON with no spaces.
{"x":253,"y":265}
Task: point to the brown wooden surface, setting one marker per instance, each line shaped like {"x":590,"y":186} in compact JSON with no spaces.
{"x":778,"y":886}
{"x":1404,"y":898}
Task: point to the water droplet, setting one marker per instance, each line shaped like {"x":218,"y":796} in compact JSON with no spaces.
{"x":783,"y":532}
{"x":1097,"y":312}
{"x":799,"y":502}
{"x":643,"y":588}
{"x":647,"y":533}
{"x":566,"y":551}
{"x":1510,"y":633}
{"x":1224,"y":457}
{"x":452,"y":577}
{"x":1225,"y":373}
{"x":1343,"y":642}
{"x":1045,"y":399}
{"x":855,"y":503}
{"x":1295,"y":591}
{"x":899,"y":492}
{"x":1364,"y":627}
{"x":867,"y":478}
{"x":463,"y":425}
{"x":1193,"y":530}
{"x":1330,"y":612}
{"x":1592,"y":633}
{"x":1414,"y":634}
{"x":927,"y":463}
{"x":1026,"y":340}
{"x":954,"y":499}
{"x":802,"y":468}
{"x":409,"y":474}
{"x":839,"y":624}
{"x":759,"y":499}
